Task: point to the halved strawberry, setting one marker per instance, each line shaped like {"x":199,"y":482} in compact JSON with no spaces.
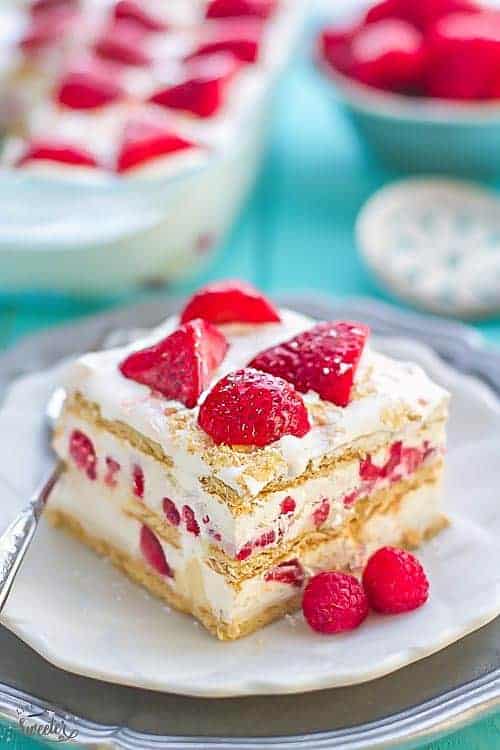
{"x":87,"y":87}
{"x":202,"y":90}
{"x":130,"y":10}
{"x":123,"y":42}
{"x":252,"y":408}
{"x":230,"y":301}
{"x":52,"y":149}
{"x":180,"y":366}
{"x":323,"y":359}
{"x":144,"y":140}
{"x":236,"y":8}
{"x":389,"y":55}
{"x":241,"y":37}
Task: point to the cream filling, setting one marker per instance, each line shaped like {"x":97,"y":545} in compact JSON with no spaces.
{"x":218,"y":526}
{"x":100,"y":515}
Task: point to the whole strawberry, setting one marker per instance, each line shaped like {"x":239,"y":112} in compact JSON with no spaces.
{"x":252,"y":408}
{"x":334,"y":602}
{"x":395,"y":581}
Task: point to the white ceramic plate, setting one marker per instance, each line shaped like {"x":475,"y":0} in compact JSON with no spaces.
{"x":84,"y":616}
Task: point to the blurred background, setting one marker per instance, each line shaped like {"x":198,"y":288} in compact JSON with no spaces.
{"x":338,"y":147}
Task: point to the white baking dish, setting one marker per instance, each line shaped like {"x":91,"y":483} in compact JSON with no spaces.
{"x":96,"y":235}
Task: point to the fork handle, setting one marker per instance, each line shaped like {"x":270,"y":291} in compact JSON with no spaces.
{"x":16,"y":540}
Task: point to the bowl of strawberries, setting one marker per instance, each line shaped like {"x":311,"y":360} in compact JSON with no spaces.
{"x":420,"y":80}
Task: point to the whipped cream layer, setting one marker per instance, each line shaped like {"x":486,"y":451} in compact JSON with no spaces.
{"x":102,"y":518}
{"x":389,"y":396}
{"x":276,"y":519}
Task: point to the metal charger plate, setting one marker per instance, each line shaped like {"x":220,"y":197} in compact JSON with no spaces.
{"x":411,"y":706}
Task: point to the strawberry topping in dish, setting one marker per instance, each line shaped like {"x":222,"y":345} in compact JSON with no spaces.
{"x":323,"y":359}
{"x":143,"y":140}
{"x":180,"y":366}
{"x":252,"y":408}
{"x":202,"y":91}
{"x":123,"y":42}
{"x":230,"y":301}
{"x":52,"y":149}
{"x":130,"y":10}
{"x":236,"y":8}
{"x":241,"y":37}
{"x":88,"y":85}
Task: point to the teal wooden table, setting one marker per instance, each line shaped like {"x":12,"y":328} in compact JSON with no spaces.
{"x":295,"y":233}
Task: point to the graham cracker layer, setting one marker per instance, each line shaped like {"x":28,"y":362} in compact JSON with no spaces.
{"x":263,"y":465}
{"x":385,"y":501}
{"x":139,"y":573}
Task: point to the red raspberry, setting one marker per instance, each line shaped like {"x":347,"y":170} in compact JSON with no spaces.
{"x":138,"y":481}
{"x":189,"y":519}
{"x":323,"y":359}
{"x":334,"y":602}
{"x":240,"y":8}
{"x":153,"y":553}
{"x":50,"y":149}
{"x":202,"y":91}
{"x":130,"y":10}
{"x":230,"y":302}
{"x":112,"y":469}
{"x":290,"y":572}
{"x":123,"y":42}
{"x":388,"y":55}
{"x":87,"y":87}
{"x":244,"y":552}
{"x":144,"y":140}
{"x":287,"y":506}
{"x":180,"y":366}
{"x":171,"y":512}
{"x":252,"y":408}
{"x":321,"y":513}
{"x":395,"y":581}
{"x":82,"y":451}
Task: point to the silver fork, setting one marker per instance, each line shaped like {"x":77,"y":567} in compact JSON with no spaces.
{"x":16,"y":540}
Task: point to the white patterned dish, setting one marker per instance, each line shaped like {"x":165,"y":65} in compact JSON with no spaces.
{"x":435,"y":243}
{"x":83,"y":616}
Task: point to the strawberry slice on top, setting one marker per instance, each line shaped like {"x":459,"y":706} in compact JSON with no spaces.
{"x":130,"y":10}
{"x":53,"y":149}
{"x":240,"y":36}
{"x":253,"y":408}
{"x":88,"y":85}
{"x":323,"y":359}
{"x":144,"y":140}
{"x":230,"y":301}
{"x":124,"y":42}
{"x":202,"y":90}
{"x":180,"y":366}
{"x":235,"y":8}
